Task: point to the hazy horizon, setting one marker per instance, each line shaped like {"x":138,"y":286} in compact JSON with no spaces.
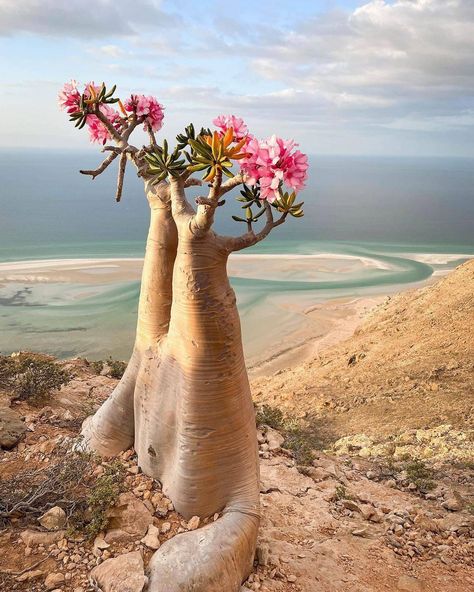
{"x":342,"y":77}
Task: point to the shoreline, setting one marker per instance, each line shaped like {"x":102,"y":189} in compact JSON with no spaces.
{"x":282,"y":327}
{"x":328,"y":323}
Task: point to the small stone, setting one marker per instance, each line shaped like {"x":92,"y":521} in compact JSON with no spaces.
{"x":53,"y":519}
{"x":125,"y":572}
{"x":274,"y":439}
{"x":262,"y":555}
{"x":291,"y":578}
{"x":350,"y":505}
{"x":151,"y":539}
{"x":452,"y":503}
{"x":360,"y":532}
{"x":53,"y":580}
{"x":165,"y":527}
{"x":100,"y":543}
{"x":12,"y":427}
{"x":33,"y":538}
{"x":194,"y":523}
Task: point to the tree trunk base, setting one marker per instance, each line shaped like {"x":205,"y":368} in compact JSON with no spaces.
{"x":145,"y":411}
{"x":215,"y":558}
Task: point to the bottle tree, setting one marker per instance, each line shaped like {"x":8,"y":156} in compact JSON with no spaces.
{"x":184,"y":400}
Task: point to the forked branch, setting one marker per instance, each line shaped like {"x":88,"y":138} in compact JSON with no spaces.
{"x":100,"y":169}
{"x":251,"y":238}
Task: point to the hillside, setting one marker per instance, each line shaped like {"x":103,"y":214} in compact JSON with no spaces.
{"x":410,"y":365}
{"x":389,"y":508}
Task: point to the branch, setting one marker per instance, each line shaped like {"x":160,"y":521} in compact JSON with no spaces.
{"x":180,"y":207}
{"x":131,"y":126}
{"x":110,"y":158}
{"x":251,"y":238}
{"x":151,"y":135}
{"x":192,"y":181}
{"x":204,"y":217}
{"x":113,"y":132}
{"x":231,"y":183}
{"x":121,"y":174}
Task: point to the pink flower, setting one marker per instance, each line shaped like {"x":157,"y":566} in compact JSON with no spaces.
{"x":98,"y":132}
{"x":69,"y":97}
{"x":147,"y":107}
{"x":274,"y":162}
{"x":224,"y":122}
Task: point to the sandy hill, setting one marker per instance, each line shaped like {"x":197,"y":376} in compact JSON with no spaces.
{"x":409,"y":365}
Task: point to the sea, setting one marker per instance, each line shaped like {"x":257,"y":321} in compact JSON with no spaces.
{"x":372,"y":225}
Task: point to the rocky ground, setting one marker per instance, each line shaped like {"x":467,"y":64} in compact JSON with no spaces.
{"x":383,"y":502}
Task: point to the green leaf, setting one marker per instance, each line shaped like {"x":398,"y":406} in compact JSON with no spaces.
{"x":197,"y":167}
{"x":227,"y":173}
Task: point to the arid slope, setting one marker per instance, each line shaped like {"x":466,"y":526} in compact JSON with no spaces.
{"x":409,"y":365}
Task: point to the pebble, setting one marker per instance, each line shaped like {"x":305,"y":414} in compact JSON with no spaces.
{"x":194,"y":523}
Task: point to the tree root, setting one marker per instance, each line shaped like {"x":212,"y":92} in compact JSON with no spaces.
{"x":215,"y":558}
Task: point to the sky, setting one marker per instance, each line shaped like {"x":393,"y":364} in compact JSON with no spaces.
{"x":339,"y":76}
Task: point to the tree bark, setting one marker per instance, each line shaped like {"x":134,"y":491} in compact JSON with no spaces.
{"x":185,"y":404}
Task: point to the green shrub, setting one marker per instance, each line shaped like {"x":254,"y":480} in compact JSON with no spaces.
{"x":97,"y":366}
{"x":116,"y":367}
{"x":270,"y":416}
{"x":301,"y":435}
{"x":31,"y":376}
{"x":102,"y":496}
{"x":419,"y":474}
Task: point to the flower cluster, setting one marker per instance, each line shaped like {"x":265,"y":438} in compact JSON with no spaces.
{"x":273,"y":162}
{"x":98,"y":132}
{"x":147,"y":107}
{"x":79,"y":105}
{"x":69,"y":97}
{"x":225,"y":122}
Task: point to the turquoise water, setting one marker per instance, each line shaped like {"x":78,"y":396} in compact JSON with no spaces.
{"x":385,"y":223}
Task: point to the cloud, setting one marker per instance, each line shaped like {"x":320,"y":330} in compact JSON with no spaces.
{"x":414,"y":55}
{"x":75,"y":18}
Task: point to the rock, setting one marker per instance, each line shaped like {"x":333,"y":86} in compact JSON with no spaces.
{"x":194,"y":523}
{"x":409,"y":584}
{"x":367,"y":511}
{"x":453,"y":503}
{"x":53,"y":519}
{"x":291,"y":578}
{"x":160,"y":504}
{"x":165,"y":527}
{"x":151,"y":539}
{"x":100,"y":543}
{"x":274,"y":439}
{"x":124,"y":573}
{"x":29,"y":575}
{"x":129,"y":516}
{"x":360,"y":532}
{"x":53,"y":580}
{"x":33,"y":538}
{"x":12,"y":427}
{"x":350,"y":505}
{"x":262,"y":555}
